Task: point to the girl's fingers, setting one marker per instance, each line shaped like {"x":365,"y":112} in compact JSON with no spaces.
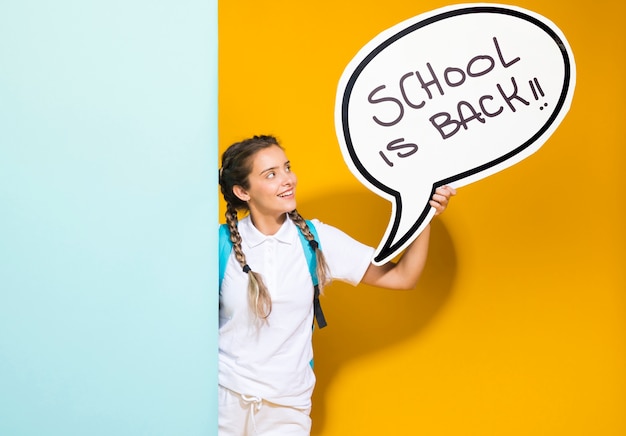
{"x":441,"y":198}
{"x":446,"y":191}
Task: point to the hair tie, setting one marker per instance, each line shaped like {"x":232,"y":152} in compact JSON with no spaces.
{"x":246,"y":268}
{"x":313,"y":243}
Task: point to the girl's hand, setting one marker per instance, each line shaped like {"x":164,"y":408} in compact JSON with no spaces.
{"x":441,"y":198}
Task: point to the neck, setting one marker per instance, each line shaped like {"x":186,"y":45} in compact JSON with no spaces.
{"x":268,"y":225}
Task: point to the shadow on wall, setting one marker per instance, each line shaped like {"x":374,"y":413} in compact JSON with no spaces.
{"x":366,"y":319}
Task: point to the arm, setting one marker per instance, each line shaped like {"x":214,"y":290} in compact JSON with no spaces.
{"x":406,"y":272}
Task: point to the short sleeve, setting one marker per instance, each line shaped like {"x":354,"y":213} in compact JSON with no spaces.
{"x":347,"y":258}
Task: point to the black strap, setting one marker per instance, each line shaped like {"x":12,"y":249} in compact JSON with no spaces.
{"x":317,"y":308}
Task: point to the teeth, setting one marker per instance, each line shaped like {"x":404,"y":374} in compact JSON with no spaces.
{"x":285,"y":194}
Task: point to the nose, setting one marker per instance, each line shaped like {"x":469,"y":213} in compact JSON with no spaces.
{"x":289,"y":178}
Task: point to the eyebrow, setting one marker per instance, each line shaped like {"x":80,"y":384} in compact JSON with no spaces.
{"x":274,"y":168}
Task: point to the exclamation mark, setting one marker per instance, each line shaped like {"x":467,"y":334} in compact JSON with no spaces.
{"x":536,"y":87}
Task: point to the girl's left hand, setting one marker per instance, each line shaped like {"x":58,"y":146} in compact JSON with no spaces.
{"x":441,"y":198}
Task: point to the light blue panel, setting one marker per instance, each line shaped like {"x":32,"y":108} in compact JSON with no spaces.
{"x":108,"y":213}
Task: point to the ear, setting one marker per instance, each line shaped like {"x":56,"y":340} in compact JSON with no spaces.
{"x":241,"y":193}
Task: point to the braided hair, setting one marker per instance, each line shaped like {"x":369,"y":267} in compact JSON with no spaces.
{"x":237,"y":162}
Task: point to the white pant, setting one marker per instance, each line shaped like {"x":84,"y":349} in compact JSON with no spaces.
{"x":243,"y":415}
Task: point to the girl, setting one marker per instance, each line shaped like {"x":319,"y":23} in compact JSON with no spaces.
{"x":265,"y":349}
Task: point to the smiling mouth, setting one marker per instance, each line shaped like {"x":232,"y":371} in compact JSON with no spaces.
{"x":286,"y":194}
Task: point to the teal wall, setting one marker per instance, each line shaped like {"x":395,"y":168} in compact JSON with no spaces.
{"x":108,"y":213}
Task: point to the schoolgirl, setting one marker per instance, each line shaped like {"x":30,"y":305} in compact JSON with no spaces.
{"x":267,"y":294}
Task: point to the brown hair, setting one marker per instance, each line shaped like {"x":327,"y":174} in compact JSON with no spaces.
{"x":237,"y":163}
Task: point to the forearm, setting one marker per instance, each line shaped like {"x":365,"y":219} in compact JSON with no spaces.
{"x":406,"y":272}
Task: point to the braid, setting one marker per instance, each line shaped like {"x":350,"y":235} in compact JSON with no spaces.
{"x":321,"y":270}
{"x":237,"y":163}
{"x":258,"y":296}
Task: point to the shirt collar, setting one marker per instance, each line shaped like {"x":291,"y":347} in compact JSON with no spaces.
{"x":252,"y":237}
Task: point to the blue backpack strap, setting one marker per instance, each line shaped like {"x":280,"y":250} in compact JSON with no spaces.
{"x":311,"y":260}
{"x":226,"y":246}
{"x":309,"y":251}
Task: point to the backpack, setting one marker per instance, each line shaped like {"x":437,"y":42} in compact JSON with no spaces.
{"x":226,"y":246}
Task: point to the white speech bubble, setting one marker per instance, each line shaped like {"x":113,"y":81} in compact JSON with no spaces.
{"x":447,"y":98}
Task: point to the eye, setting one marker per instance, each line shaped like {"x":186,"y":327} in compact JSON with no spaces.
{"x":270,"y":175}
{"x":288,"y":168}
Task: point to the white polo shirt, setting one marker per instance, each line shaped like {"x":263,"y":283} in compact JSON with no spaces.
{"x":273,"y":361}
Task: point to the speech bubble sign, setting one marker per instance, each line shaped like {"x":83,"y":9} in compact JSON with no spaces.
{"x":447,"y":98}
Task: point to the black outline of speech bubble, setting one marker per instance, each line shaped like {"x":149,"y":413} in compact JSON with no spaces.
{"x":389,"y":249}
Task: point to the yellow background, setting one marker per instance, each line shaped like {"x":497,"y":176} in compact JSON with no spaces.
{"x":518,"y":326}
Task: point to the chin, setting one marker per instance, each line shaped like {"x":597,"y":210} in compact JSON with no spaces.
{"x":291,"y":205}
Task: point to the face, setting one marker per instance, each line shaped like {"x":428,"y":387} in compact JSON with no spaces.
{"x":272,"y":185}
